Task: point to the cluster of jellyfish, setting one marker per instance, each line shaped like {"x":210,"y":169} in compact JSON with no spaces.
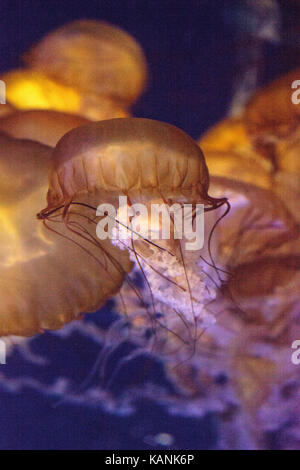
{"x":230,"y":309}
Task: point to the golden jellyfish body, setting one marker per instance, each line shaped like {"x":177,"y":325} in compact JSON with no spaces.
{"x":46,"y":127}
{"x":262,"y":146}
{"x":149,"y":163}
{"x":93,"y":57}
{"x":46,"y":281}
{"x":273,"y":121}
{"x":28,"y":89}
{"x":271,"y":114}
{"x":227,"y":135}
{"x":86,"y":67}
{"x":229,"y":153}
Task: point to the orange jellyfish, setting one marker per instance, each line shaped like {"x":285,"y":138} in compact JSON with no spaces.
{"x":272,"y":118}
{"x":149,"y":163}
{"x":94,"y":57}
{"x":90,"y":68}
{"x":42,"y":126}
{"x":227,"y":135}
{"x":271,"y":113}
{"x":259,"y":224}
{"x":29,"y":89}
{"x":229,"y":152}
{"x":46,"y":281}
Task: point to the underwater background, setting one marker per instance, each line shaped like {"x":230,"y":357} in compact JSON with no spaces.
{"x":53,"y":392}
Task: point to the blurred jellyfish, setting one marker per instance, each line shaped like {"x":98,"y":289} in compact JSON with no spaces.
{"x":272,"y":115}
{"x":46,"y":281}
{"x":94,"y":57}
{"x":29,"y":89}
{"x":273,"y":123}
{"x":42,"y":126}
{"x":262,"y":145}
{"x":258,"y":224}
{"x":87,"y":67}
{"x":229,"y":152}
{"x":225,"y":136}
{"x":150,"y":163}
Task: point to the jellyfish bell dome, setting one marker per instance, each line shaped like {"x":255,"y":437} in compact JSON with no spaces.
{"x":93,"y":57}
{"x":151,"y":163}
{"x":128,"y":155}
{"x":46,"y":281}
{"x":42,"y":126}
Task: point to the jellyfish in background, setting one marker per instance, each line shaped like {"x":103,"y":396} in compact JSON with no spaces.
{"x":256,"y":157}
{"x":229,"y":153}
{"x":261,"y":146}
{"x":86,"y":67}
{"x":46,"y":281}
{"x":271,"y":114}
{"x":46,"y":127}
{"x":273,"y":123}
{"x":29,"y":89}
{"x":114,"y":66}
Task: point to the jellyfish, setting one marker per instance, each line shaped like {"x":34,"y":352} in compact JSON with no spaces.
{"x":150,"y":164}
{"x":28,"y":89}
{"x":94,"y":57}
{"x":271,"y":114}
{"x":46,"y":127}
{"x":86,"y":67}
{"x":229,"y":152}
{"x":262,"y":145}
{"x":258,"y":224}
{"x":45,"y":280}
{"x":273,"y":122}
{"x":272,"y":119}
{"x":230,"y":134}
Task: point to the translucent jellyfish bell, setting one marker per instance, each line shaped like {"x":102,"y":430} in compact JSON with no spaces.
{"x":150,"y":163}
{"x":31,"y":89}
{"x":46,"y":281}
{"x":42,"y":126}
{"x":94,"y":57}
